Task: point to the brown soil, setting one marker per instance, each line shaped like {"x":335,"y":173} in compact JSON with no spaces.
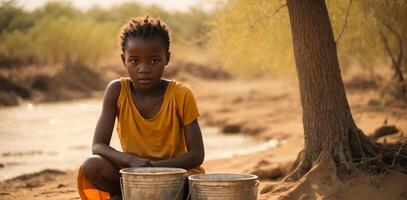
{"x":265,"y":109}
{"x":49,"y":83}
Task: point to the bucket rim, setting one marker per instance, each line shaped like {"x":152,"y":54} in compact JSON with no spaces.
{"x":249,"y":177}
{"x":175,"y":171}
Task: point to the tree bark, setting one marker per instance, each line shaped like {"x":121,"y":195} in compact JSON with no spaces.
{"x":327,"y":118}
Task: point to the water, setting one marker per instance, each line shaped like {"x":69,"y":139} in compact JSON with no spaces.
{"x":59,"y":136}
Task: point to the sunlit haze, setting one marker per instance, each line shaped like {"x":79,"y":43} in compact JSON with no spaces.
{"x":170,"y":5}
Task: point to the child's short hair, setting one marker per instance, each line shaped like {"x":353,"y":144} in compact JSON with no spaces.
{"x":144,"y":27}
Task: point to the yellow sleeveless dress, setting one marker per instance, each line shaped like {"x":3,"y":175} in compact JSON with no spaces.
{"x":160,"y":137}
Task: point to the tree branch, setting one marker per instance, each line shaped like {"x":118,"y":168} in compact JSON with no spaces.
{"x":396,"y":61}
{"x":387,"y":47}
{"x":268,"y":16}
{"x":345,"y":23}
{"x":277,"y":10}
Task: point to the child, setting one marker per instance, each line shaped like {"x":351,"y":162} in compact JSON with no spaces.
{"x":157,"y":118}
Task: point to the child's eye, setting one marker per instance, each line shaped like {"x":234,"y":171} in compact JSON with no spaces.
{"x":155,"y":61}
{"x":134,"y":61}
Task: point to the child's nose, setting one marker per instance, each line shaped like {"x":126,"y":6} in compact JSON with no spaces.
{"x":144,"y":68}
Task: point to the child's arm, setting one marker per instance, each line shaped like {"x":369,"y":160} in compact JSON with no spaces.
{"x":104,"y":128}
{"x":195,"y":147}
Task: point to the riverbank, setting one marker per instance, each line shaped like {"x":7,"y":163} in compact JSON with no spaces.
{"x":54,"y":184}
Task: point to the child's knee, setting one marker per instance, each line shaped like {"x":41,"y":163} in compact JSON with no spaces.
{"x":91,"y":166}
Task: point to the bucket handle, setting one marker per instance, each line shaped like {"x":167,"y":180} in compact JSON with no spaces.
{"x":121,"y":188}
{"x":189,"y":192}
{"x":179,"y":190}
{"x":182,"y":185}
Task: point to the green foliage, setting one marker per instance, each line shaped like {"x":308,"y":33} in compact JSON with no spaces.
{"x":15,"y":48}
{"x":357,"y":45}
{"x":249,"y":38}
{"x":64,"y":40}
{"x":184,"y":26}
{"x":390,"y":18}
{"x":190,"y":27}
{"x":60,"y":33}
{"x":118,"y":14}
{"x":14,"y":18}
{"x":56,"y":10}
{"x":361,"y":42}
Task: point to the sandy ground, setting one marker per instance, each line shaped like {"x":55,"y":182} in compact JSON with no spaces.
{"x":265,"y":109}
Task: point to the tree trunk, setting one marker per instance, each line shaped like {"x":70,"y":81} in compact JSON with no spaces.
{"x":326,"y":115}
{"x":327,"y":120}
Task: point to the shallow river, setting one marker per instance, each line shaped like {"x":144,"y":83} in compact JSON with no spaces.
{"x":59,"y":135}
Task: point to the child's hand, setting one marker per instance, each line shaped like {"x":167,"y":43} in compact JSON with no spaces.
{"x":135,"y":161}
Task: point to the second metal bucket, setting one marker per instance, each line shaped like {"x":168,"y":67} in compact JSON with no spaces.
{"x":153,"y":183}
{"x":223,"y":186}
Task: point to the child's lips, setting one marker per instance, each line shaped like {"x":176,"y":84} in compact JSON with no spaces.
{"x":145,"y":80}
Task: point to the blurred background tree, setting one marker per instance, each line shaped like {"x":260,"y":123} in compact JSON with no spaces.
{"x":391,"y":30}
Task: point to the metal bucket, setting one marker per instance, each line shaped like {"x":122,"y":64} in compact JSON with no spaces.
{"x":223,"y":186}
{"x":154,"y":183}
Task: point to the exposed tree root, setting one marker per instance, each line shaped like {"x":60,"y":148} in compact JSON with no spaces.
{"x":300,"y":168}
{"x":367,"y":155}
{"x":384,"y":131}
{"x":375,"y":156}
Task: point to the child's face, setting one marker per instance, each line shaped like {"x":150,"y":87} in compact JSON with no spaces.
{"x":145,"y":59}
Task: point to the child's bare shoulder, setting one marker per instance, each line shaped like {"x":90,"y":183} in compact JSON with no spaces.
{"x":113,"y":89}
{"x":114,"y":85}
